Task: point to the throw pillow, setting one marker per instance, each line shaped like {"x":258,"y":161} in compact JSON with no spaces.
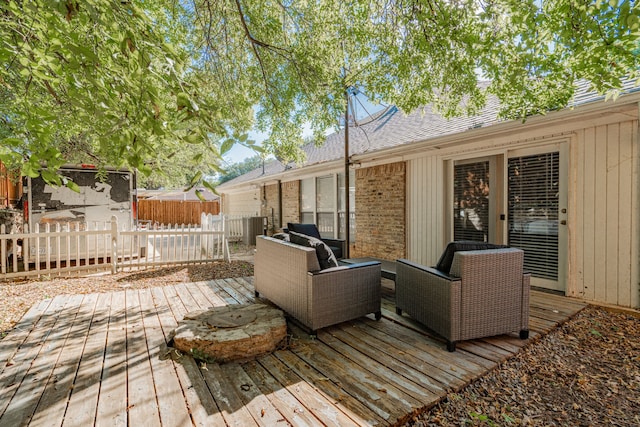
{"x":444,"y":264}
{"x":306,"y":229}
{"x":281,"y":236}
{"x":326,"y":259}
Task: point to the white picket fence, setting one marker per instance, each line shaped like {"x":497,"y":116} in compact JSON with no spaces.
{"x":233,"y":227}
{"x":61,"y":249}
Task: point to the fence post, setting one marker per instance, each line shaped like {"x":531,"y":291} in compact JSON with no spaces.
{"x":3,"y":250}
{"x":26,"y":241}
{"x":114,"y":244}
{"x":225,"y":241}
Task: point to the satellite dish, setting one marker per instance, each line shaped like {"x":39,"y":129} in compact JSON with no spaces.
{"x":361,"y":109}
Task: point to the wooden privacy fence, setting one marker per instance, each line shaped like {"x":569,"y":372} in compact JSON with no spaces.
{"x":10,"y":188}
{"x":77,"y":247}
{"x":175,"y":211}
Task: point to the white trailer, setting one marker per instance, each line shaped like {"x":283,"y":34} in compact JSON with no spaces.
{"x":100,"y":197}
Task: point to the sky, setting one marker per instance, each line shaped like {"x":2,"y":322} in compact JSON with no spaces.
{"x":239,"y":152}
{"x":361,"y":106}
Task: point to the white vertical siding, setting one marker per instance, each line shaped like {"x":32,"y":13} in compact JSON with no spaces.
{"x":425,"y":221}
{"x":605,"y":229}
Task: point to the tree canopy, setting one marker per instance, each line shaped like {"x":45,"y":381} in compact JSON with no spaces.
{"x":127,"y":83}
{"x":240,"y":168}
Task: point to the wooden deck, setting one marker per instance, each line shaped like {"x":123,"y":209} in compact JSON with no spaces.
{"x":101,"y":359}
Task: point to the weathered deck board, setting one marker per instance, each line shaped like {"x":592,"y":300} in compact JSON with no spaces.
{"x":257,"y":403}
{"x":332,"y":391}
{"x":103,"y":359}
{"x":15,"y":367}
{"x":387,"y":399}
{"x":398,"y":361}
{"x":233,"y":410}
{"x":309,"y":400}
{"x":385,"y":368}
{"x":203,"y":409}
{"x":142,"y":403}
{"x":20,"y":332}
{"x":34,"y":371}
{"x":171,"y":403}
{"x":53,"y":403}
{"x":84,"y":395}
{"x":112,"y":400}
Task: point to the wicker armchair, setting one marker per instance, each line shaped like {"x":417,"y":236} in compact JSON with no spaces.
{"x":289,"y":276}
{"x":486,"y":293}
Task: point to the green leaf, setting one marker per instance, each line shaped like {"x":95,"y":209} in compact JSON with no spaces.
{"x":209,"y":187}
{"x":195,"y":179}
{"x":30,"y":171}
{"x":73,"y":186}
{"x":227,"y":144}
{"x":50,"y":177}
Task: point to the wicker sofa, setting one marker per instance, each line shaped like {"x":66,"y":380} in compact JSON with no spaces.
{"x":485,"y":293}
{"x":289,"y":276}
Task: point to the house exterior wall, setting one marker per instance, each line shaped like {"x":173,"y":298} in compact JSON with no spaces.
{"x":604,"y":249}
{"x":290,"y":193}
{"x":404,"y":197}
{"x":290,"y":202}
{"x":425,"y":209}
{"x":601,"y":258}
{"x":381,"y":212}
{"x":271,"y":207}
{"x":245,"y":203}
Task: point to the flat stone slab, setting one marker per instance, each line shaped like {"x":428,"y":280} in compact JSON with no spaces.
{"x":233,"y":332}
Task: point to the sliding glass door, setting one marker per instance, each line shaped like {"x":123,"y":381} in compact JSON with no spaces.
{"x":536,"y":203}
{"x":518,"y":198}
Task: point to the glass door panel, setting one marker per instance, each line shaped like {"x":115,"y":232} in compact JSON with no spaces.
{"x":533,"y":206}
{"x":325,"y":205}
{"x":471,"y":201}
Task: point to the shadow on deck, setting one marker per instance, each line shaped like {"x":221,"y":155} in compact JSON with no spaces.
{"x":102,"y":359}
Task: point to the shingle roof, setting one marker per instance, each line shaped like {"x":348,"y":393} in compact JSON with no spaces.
{"x":393,"y":128}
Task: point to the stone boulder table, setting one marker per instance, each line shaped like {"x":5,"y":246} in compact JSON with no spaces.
{"x":233,"y":332}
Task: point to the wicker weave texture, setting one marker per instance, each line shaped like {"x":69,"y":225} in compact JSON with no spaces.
{"x":486,"y":294}
{"x":288,"y":275}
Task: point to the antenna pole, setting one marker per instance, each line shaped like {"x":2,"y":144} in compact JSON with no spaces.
{"x":346,"y":174}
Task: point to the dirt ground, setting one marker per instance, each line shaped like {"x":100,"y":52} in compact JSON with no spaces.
{"x":585,"y":373}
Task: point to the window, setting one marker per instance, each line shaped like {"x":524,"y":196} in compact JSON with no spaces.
{"x":322,"y":203}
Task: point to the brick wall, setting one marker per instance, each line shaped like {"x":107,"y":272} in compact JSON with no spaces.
{"x":290,"y":205}
{"x":271,"y":209}
{"x":290,"y":202}
{"x":381,"y":212}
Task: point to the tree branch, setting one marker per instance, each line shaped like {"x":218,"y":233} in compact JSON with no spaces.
{"x":254,"y":44}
